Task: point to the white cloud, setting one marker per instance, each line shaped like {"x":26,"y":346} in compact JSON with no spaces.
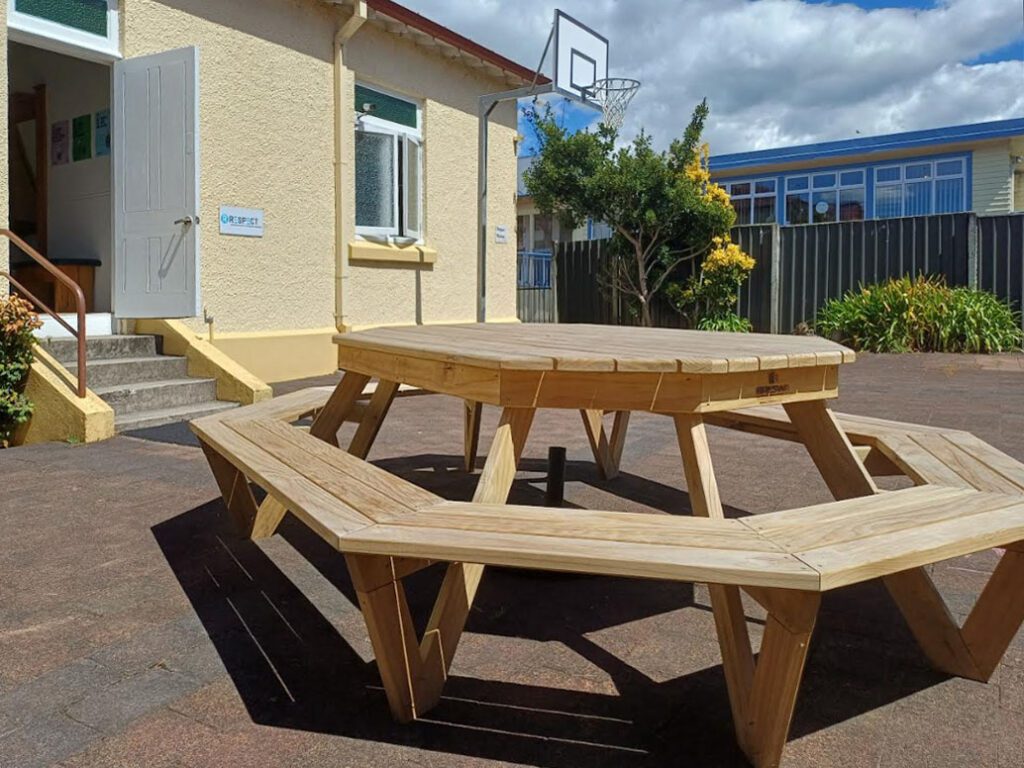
{"x":779,"y":71}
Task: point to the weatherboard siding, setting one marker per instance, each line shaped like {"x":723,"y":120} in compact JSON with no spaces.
{"x":993,"y":187}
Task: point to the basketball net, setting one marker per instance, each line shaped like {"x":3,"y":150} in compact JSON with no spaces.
{"x":613,"y":95}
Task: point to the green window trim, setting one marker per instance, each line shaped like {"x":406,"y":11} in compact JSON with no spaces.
{"x":387,"y":107}
{"x":88,"y":16}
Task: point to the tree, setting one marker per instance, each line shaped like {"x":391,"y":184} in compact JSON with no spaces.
{"x":662,"y":207}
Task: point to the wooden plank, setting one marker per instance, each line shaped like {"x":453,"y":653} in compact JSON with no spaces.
{"x":992,"y":457}
{"x":469,"y":382}
{"x":290,"y":407}
{"x":234,"y":489}
{"x":624,"y":527}
{"x":331,"y":517}
{"x":855,"y":561}
{"x":975,"y":473}
{"x":931,"y":623}
{"x":836,"y":523}
{"x":830,"y":449}
{"x":998,"y":614}
{"x":268,"y":517}
{"x":329,"y":420}
{"x":780,"y":669}
{"x":357,"y":482}
{"x":373,"y":418}
{"x":392,"y":634}
{"x":471,"y":433}
{"x":673,"y":563}
{"x":726,"y":603}
{"x":917,"y":463}
{"x":462,"y":579}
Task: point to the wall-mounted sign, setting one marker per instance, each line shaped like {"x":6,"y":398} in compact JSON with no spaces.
{"x":501,"y":234}
{"x":60,"y":142}
{"x":243,"y":222}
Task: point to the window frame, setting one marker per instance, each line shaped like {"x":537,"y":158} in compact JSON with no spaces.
{"x":836,"y":189}
{"x":402,"y":136}
{"x":60,"y":38}
{"x":931,"y":179}
{"x":727,"y":185}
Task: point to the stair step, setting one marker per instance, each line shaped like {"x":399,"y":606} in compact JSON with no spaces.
{"x":126,"y":370}
{"x":164,"y":416}
{"x":142,"y":396}
{"x":101,"y":348}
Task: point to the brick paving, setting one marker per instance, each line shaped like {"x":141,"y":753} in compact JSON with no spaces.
{"x":136,"y":629}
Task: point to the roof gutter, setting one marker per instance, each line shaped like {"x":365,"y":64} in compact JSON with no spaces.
{"x":343,"y":116}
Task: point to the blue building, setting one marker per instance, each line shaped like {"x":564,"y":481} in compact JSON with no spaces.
{"x":978,"y":167}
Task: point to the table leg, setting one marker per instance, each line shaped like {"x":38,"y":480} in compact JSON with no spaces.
{"x":329,"y":420}
{"x":831,"y":450}
{"x":471,"y":436}
{"x":726,"y":604}
{"x":373,"y":417}
{"x":448,"y":619}
{"x":607,"y":453}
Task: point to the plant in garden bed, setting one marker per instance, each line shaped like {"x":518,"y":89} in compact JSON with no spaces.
{"x":921,"y":315}
{"x":709,"y":298}
{"x":17,"y":321}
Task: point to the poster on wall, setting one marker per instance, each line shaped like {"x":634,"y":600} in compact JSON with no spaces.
{"x":81,"y":138}
{"x":60,"y":142}
{"x":103,"y":133}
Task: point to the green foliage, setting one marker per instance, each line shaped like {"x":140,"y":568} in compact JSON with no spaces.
{"x":661,"y":206}
{"x":922,"y":315}
{"x":709,"y":298}
{"x":728,"y":321}
{"x":17,"y":321}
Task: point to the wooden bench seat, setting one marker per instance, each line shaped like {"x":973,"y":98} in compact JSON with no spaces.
{"x":388,"y":528}
{"x":926,"y":454}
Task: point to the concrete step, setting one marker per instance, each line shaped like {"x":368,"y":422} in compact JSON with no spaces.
{"x":101,"y":348}
{"x":164,"y":416}
{"x":157,"y":395}
{"x":129,"y":370}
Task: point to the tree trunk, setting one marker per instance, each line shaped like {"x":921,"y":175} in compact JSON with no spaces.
{"x":645,"y":296}
{"x":645,"y":312}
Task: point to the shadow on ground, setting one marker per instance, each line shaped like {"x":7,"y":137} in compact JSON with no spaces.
{"x":293,"y":669}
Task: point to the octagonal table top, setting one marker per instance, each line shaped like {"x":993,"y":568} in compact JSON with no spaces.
{"x":579,"y":347}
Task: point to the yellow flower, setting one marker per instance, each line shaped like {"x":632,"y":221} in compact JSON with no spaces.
{"x":727,"y":255}
{"x":699,"y":171}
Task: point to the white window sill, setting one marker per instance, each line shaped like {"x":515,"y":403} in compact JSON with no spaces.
{"x":363,"y":250}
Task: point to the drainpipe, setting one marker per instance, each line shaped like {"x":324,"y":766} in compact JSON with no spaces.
{"x":343,"y":116}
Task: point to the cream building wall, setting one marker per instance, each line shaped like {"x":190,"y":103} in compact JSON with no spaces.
{"x":395,"y":292}
{"x":267,"y":138}
{"x":993,"y":178}
{"x":266,"y":109}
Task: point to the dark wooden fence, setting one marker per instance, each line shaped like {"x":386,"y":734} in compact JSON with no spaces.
{"x":800,"y":268}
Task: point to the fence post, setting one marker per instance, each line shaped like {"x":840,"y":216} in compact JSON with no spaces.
{"x":555,"y":252}
{"x":775,"y":282}
{"x":972,"y":250}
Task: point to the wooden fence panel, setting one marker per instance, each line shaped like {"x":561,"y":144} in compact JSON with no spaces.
{"x":1001,"y":257}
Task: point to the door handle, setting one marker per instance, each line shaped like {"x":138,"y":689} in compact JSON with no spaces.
{"x":187,"y":221}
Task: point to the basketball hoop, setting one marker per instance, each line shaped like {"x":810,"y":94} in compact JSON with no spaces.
{"x":613,"y":95}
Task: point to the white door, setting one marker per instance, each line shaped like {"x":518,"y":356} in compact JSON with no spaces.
{"x":156,"y":185}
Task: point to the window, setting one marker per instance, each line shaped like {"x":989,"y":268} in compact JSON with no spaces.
{"x":825,"y":197}
{"x":87,"y":24}
{"x":389,"y":166}
{"x":753,"y":201}
{"x":920,"y":188}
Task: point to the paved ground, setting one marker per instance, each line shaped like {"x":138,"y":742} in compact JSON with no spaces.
{"x":137,"y":630}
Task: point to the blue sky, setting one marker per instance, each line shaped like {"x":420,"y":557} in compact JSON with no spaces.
{"x":782,"y":72}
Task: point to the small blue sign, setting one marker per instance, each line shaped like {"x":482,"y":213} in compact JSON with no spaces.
{"x":241,"y":222}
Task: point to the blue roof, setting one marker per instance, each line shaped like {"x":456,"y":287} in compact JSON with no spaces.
{"x":865,"y":145}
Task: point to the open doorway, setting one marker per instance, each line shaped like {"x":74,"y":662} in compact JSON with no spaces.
{"x":60,"y":173}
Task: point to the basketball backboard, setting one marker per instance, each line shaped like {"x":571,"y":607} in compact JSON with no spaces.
{"x":581,"y":56}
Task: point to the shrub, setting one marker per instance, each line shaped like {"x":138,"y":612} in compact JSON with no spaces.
{"x":17,"y":321}
{"x":922,"y":315}
{"x":709,"y":298}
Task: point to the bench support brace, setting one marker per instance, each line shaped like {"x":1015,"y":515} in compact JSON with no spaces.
{"x":607,"y":451}
{"x":414,"y":672}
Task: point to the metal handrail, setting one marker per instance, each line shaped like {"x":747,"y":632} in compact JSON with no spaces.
{"x":74,"y":287}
